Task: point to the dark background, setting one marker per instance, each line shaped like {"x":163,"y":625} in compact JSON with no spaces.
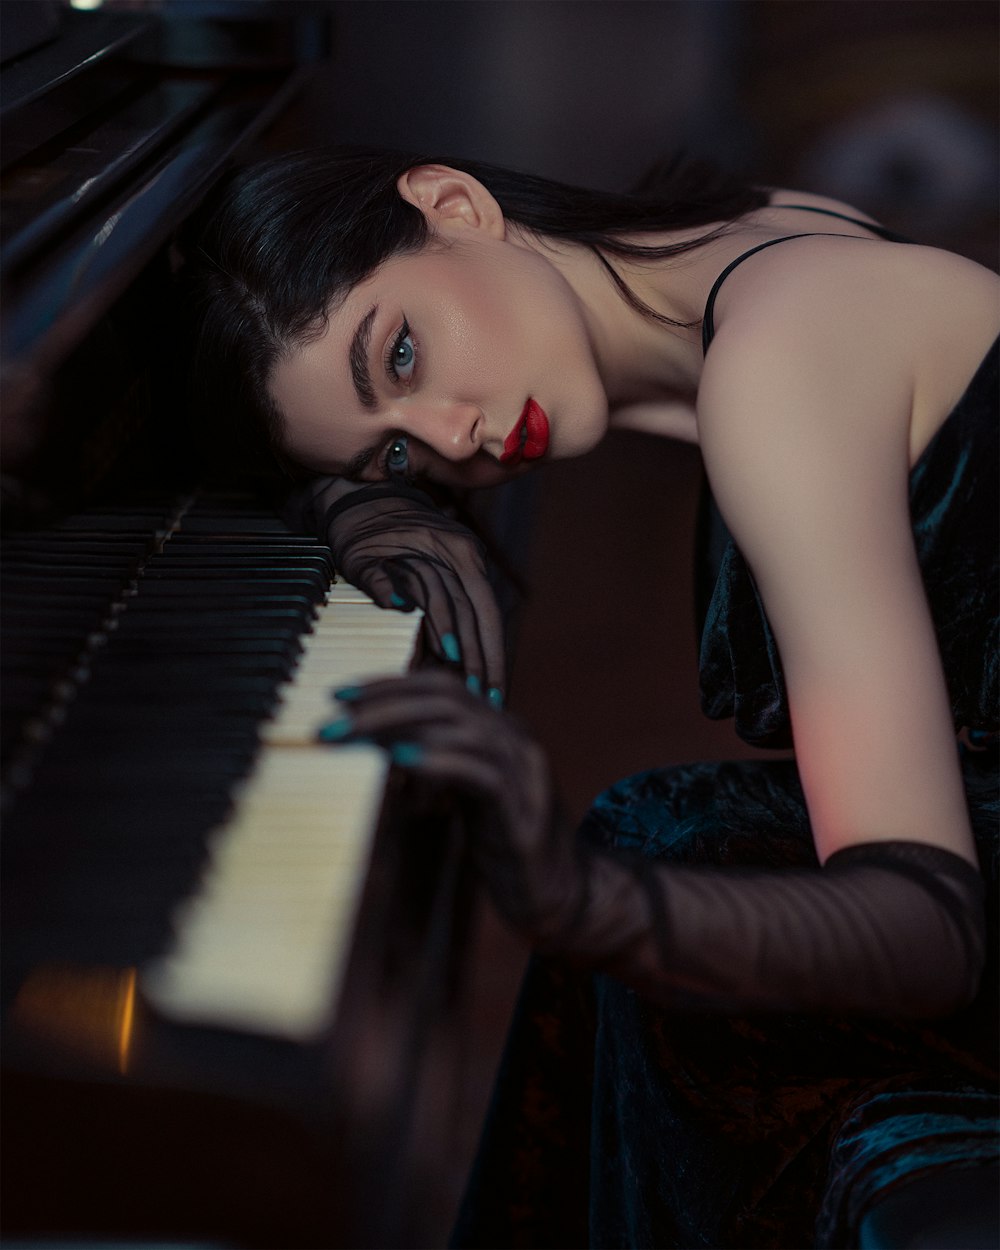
{"x":888,"y":104}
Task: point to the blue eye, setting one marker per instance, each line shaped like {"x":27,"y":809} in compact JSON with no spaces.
{"x":401,"y":357}
{"x":397,"y":458}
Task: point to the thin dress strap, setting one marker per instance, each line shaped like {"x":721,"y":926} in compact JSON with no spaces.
{"x":708,"y":320}
{"x":882,"y":231}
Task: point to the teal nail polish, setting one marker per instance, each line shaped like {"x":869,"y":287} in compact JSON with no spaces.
{"x":346,"y":693}
{"x":406,"y":754}
{"x":495,"y":697}
{"x":335,"y":730}
{"x":473,"y":684}
{"x":397,"y":601}
{"x":450,"y":647}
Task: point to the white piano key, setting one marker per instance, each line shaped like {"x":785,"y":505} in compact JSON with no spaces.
{"x":262,"y":945}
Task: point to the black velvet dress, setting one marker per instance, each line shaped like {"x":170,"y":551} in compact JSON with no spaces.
{"x":617,"y":1123}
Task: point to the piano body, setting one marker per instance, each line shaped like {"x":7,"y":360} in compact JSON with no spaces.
{"x":226,"y":972}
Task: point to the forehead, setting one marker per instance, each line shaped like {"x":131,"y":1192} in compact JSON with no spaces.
{"x":310,"y":384}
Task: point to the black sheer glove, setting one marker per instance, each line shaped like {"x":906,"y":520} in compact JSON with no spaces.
{"x":890,"y":928}
{"x":396,"y":545}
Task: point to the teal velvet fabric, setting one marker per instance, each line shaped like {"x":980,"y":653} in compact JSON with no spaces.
{"x":616,"y":1123}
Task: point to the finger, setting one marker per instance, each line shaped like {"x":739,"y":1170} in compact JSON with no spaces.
{"x":516,"y":793}
{"x":450,"y":624}
{"x":492,"y":644}
{"x":420,"y":687}
{"x":479,"y":622}
{"x":477,"y":627}
{"x":452,"y":766}
{"x":381,"y":586}
{"x":421,"y":682}
{"x":412,"y":716}
{"x":393,"y":709}
{"x":448,"y":752}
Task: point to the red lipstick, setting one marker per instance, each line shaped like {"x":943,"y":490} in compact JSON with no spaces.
{"x":529,"y":439}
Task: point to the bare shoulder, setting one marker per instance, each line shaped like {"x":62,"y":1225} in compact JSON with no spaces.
{"x":805,"y":337}
{"x":785,"y":197}
{"x":881,"y":338}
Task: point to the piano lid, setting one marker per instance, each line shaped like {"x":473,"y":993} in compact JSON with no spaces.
{"x":113,"y":126}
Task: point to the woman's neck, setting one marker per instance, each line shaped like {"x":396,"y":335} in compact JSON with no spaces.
{"x":641,"y":359}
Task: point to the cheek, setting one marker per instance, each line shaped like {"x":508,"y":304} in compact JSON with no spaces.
{"x":480,"y":354}
{"x":503,"y":316}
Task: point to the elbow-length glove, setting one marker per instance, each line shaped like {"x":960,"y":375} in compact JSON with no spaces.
{"x":393,"y":542}
{"x":890,"y":928}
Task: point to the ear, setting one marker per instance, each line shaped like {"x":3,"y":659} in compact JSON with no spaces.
{"x":451,"y":200}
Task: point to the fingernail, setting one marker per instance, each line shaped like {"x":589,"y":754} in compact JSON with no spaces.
{"x":473,"y":684}
{"x":406,"y":754}
{"x":335,"y":730}
{"x":346,"y":693}
{"x":495,"y":696}
{"x":450,"y":647}
{"x":397,"y":601}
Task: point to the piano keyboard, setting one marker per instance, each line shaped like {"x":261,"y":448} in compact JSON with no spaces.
{"x":262,"y":945}
{"x":166,"y":806}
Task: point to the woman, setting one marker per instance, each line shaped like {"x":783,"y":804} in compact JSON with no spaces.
{"x":769,"y":941}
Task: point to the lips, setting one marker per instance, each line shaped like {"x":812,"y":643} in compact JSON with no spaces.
{"x":529,"y":439}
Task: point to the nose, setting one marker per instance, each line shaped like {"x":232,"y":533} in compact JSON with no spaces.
{"x":454,"y":430}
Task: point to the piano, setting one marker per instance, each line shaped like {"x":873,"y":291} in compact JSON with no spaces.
{"x":232,"y":958}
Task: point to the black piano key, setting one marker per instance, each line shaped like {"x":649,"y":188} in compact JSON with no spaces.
{"x":88,"y":581}
{"x":221,"y":524}
{"x":66,"y":637}
{"x":287,"y":545}
{"x":195,"y":581}
{"x":248,"y":699}
{"x":149,"y":614}
{"x":211,"y":727}
{"x":75,"y":595}
{"x":19,"y":616}
{"x":246,"y":642}
{"x":157,"y":667}
{"x":190,"y":571}
{"x":102,"y":524}
{"x":234,"y":599}
{"x":231,"y":567}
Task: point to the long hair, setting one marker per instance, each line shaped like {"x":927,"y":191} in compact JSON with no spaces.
{"x":282,"y":241}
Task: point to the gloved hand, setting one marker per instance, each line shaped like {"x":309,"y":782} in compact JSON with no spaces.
{"x":887,"y":928}
{"x":433,"y":727}
{"x":393,"y":542}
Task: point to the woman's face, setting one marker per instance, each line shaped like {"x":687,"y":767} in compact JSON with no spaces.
{"x":465,"y":363}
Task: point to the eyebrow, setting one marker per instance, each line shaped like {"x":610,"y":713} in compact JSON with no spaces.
{"x":357,"y":464}
{"x":358,"y":358}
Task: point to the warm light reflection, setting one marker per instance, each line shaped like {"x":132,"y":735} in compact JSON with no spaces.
{"x":88,"y":1012}
{"x":85,"y":4}
{"x":127,"y":1018}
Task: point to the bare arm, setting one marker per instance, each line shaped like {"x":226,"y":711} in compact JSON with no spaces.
{"x":806,"y":445}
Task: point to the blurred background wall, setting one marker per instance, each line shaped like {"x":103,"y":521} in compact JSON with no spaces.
{"x":892,"y":99}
